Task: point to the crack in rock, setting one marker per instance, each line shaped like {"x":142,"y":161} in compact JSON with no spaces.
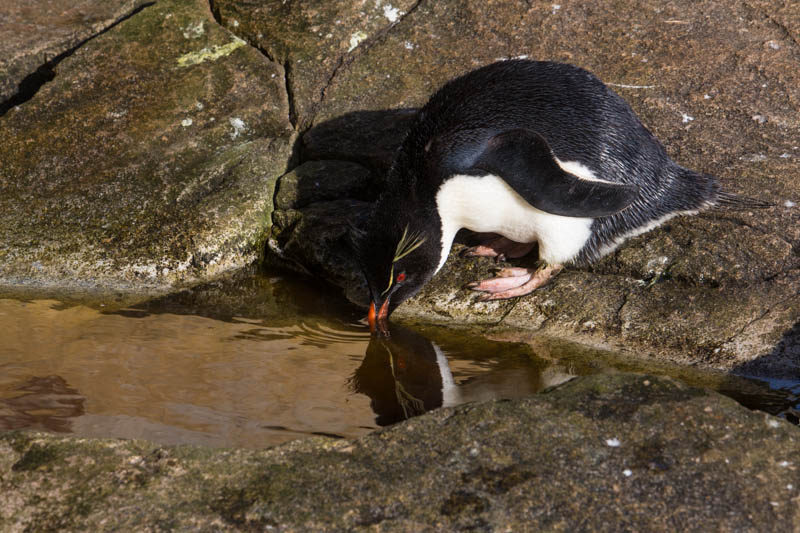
{"x":290,"y":98}
{"x":342,"y":62}
{"x":285,"y":65}
{"x":287,"y":83}
{"x":346,"y":59}
{"x":34,"y":81}
{"x":618,"y":313}
{"x":753,"y":321}
{"x":508,"y":312}
{"x":777,"y":23}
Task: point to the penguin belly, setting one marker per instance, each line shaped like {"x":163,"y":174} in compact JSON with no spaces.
{"x":487,"y":204}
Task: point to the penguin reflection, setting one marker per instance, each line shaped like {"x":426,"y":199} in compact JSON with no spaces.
{"x":405,"y":375}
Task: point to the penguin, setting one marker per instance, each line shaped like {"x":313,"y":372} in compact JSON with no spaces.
{"x":537,"y":152}
{"x":404,"y":374}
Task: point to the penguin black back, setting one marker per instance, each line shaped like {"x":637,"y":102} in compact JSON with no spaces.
{"x":580,"y":118}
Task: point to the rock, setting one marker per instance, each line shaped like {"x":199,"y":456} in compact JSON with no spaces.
{"x":721,"y":289}
{"x":320,"y":181}
{"x":36,"y":34}
{"x":148,"y":162}
{"x":366,"y":137}
{"x":314,"y":41}
{"x":315,"y":240}
{"x":604,"y":453}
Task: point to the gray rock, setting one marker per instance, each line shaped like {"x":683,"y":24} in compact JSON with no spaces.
{"x":367,"y":137}
{"x":148,"y":162}
{"x":313,"y":41}
{"x":36,"y":32}
{"x":603,"y":453}
{"x":315,"y":241}
{"x":320,"y":181}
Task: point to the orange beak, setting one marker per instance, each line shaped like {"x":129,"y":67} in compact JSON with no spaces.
{"x":378,"y":320}
{"x":371,"y":316}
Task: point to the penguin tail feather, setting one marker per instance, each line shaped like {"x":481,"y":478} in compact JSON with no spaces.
{"x":734,"y":201}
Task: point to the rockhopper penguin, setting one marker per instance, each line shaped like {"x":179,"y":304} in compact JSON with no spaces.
{"x":535,"y":151}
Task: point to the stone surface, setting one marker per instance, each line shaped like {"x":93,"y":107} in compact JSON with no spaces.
{"x":35,"y":32}
{"x":313,"y":41}
{"x":315,"y":241}
{"x":717,"y":82}
{"x":320,"y":181}
{"x":603,"y":453}
{"x":367,"y":137}
{"x":149,"y":160}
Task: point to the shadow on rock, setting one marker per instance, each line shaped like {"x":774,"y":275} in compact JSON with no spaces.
{"x":343,"y":163}
{"x":369,"y":138}
{"x":786,"y":387}
{"x":255,"y":295}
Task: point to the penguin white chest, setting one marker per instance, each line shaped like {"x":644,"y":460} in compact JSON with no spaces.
{"x":489,"y":204}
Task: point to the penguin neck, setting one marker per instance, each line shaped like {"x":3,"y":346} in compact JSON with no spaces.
{"x":448,"y":235}
{"x":449,"y":227}
{"x":445,"y":233}
{"x":453,"y":200}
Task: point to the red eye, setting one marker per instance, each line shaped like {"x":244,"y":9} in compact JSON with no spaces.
{"x":401,"y":277}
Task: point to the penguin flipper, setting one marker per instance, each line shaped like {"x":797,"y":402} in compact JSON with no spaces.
{"x":525,"y":161}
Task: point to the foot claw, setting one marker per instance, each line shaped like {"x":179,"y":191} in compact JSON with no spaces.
{"x":479,"y":251}
{"x":513,"y":282}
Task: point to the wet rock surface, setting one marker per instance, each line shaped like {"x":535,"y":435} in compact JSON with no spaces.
{"x":601,"y":453}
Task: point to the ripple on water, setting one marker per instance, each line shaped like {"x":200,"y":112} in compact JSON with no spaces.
{"x":261,"y":360}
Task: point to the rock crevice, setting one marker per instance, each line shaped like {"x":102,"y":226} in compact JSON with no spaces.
{"x":45,"y":73}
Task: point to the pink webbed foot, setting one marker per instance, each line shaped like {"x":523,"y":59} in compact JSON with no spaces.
{"x":500,"y":248}
{"x":513,"y":282}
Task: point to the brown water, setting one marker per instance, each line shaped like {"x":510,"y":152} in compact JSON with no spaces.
{"x":258,"y":361}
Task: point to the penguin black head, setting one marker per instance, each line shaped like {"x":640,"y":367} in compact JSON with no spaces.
{"x":397,"y":256}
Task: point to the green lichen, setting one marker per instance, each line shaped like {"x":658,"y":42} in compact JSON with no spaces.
{"x":210,"y":53}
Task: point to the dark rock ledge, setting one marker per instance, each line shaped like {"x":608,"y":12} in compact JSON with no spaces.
{"x":617,"y":452}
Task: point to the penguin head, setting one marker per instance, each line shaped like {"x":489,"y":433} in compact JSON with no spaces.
{"x":397,"y":258}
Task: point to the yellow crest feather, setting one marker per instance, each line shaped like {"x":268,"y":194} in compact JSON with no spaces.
{"x":408,"y":243}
